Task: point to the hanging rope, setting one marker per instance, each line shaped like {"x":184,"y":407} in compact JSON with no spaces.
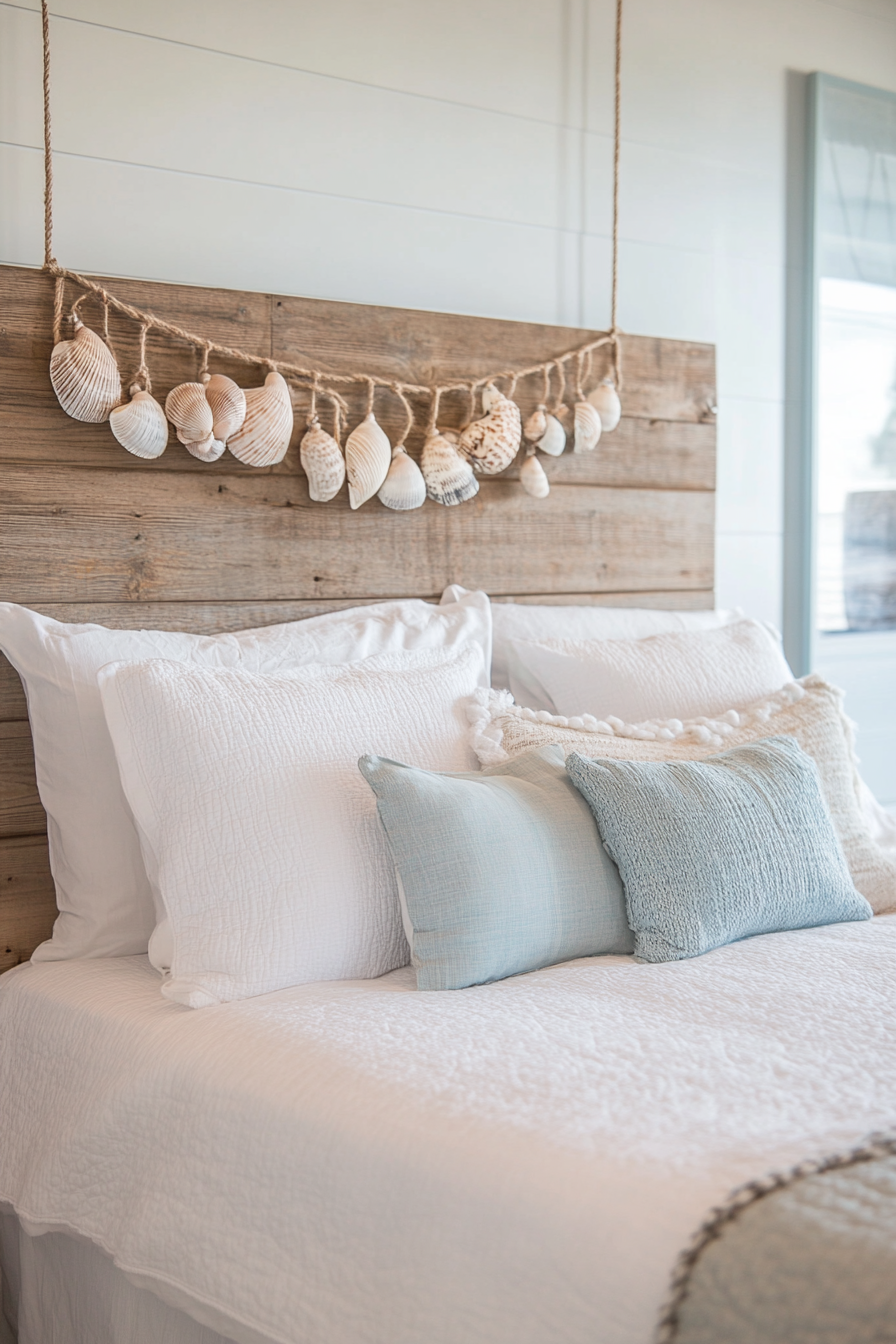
{"x":617,"y":124}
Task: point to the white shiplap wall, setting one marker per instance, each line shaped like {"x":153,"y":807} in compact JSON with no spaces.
{"x":455,"y":155}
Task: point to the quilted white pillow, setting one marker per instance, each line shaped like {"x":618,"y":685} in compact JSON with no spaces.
{"x":259,"y":831}
{"x":103,"y":894}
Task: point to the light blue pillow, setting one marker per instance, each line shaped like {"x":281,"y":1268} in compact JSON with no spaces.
{"x":501,"y":871}
{"x":715,"y":850}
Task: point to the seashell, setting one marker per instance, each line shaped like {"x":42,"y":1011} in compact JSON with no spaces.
{"x":264,"y":435}
{"x":605,"y":400}
{"x":449,"y":477}
{"x":533,"y":479}
{"x":404,"y":486}
{"x":493,"y":442}
{"x":553,"y":440}
{"x":208,"y":449}
{"x":85,"y":376}
{"x":587,"y":427}
{"x":140,"y":425}
{"x":189,"y":412}
{"x":536,"y":424}
{"x":323,"y":463}
{"x":368,"y":455}
{"x":228,"y":402}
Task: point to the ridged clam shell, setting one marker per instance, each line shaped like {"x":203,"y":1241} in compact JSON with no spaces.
{"x":140,"y":426}
{"x":208,"y":449}
{"x":493,"y":442}
{"x":189,"y":412}
{"x":228,"y":402}
{"x":323,"y":463}
{"x":536,"y":424}
{"x":368,"y":454}
{"x":449,"y":477}
{"x":605,"y":400}
{"x":587,"y":427}
{"x":533,"y":479}
{"x":264,"y":435}
{"x":553,"y":440}
{"x":404,"y":486}
{"x":85,"y":376}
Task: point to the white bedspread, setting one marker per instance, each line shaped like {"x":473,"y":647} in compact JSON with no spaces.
{"x":359,"y":1163}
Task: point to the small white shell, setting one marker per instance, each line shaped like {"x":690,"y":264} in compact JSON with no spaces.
{"x":264,"y":435}
{"x":404,"y":486}
{"x":449,"y":477}
{"x":140,"y":425}
{"x":493,"y":442}
{"x":323,"y":463}
{"x":553,"y":440}
{"x":189,"y":412}
{"x":605,"y":400}
{"x":228,"y":402}
{"x":85,"y":376}
{"x":533,"y":479}
{"x":587,"y":427}
{"x":536,"y":424}
{"x":368,"y":454}
{"x":208,"y":449}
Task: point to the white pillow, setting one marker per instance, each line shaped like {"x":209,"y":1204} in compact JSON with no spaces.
{"x":102,"y":890}
{"x":259,"y":832}
{"x":703,"y":672}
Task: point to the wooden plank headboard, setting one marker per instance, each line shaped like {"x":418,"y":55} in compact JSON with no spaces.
{"x":88,"y":532}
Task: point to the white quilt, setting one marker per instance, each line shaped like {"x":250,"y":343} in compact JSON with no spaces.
{"x":360,"y":1163}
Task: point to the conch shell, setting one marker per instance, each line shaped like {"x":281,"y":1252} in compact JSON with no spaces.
{"x":587,"y":427}
{"x":322,"y":461}
{"x":228,"y":404}
{"x":493,"y":442}
{"x":368,"y":454}
{"x":533,"y":479}
{"x":449,"y":477}
{"x":264,"y":435}
{"x":85,"y":376}
{"x":140,"y":425}
{"x":605,"y":400}
{"x":404,"y":486}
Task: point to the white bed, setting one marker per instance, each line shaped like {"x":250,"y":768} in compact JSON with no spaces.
{"x":358,"y":1162}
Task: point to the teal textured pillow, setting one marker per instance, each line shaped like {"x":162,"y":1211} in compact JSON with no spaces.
{"x":502,"y":871}
{"x":718,"y":849}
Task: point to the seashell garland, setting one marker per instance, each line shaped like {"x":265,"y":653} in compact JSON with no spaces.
{"x":85,"y":376}
{"x":587,"y":428}
{"x":140,"y":425}
{"x":533,"y":479}
{"x":404,"y":486}
{"x":368,"y":455}
{"x":493,"y":442}
{"x":605,"y":400}
{"x":449,"y":477}
{"x":264,"y":435}
{"x":322,"y":461}
{"x":228,"y":405}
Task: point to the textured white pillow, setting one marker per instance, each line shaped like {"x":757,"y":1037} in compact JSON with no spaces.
{"x":700,"y":672}
{"x":102,"y":890}
{"x":259,"y":831}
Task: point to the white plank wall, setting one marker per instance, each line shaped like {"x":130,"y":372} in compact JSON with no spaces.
{"x":451,"y":154}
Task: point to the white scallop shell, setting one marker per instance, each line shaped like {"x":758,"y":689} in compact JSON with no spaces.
{"x":323,"y":463}
{"x":85,"y":376}
{"x":228,"y":402}
{"x":533,"y":479}
{"x":208,"y":449}
{"x":553,"y":440}
{"x":404,"y":486}
{"x":449,"y":477}
{"x":605,"y":400}
{"x":536,"y":424}
{"x":189,"y":412}
{"x":493,"y":442}
{"x":587,"y":427}
{"x":264,"y":435}
{"x":368,"y":455}
{"x":140,"y":426}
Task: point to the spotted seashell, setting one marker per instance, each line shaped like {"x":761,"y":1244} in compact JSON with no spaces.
{"x":553,"y":440}
{"x":605,"y":400}
{"x":323,"y":463}
{"x":228,"y":402}
{"x":140,"y":425}
{"x":449,"y":477}
{"x":208,"y":449}
{"x":533,"y":479}
{"x":189,"y":412}
{"x":587,"y":427}
{"x":536,"y":424}
{"x":404,"y":486}
{"x":493,"y":442}
{"x":264,"y":435}
{"x":368,"y":454}
{"x":85,"y":376}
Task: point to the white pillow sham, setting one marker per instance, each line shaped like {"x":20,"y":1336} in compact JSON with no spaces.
{"x":681,"y":674}
{"x":259,"y":832}
{"x":104,"y":897}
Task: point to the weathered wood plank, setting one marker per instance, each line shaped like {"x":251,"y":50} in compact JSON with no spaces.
{"x":640,"y":454}
{"x":27,"y":898}
{"x":21,"y":812}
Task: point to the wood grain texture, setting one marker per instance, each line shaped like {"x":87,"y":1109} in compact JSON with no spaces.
{"x":27,"y":898}
{"x":21,"y":812}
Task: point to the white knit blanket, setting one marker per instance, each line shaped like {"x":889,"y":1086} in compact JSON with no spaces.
{"x":357,"y":1162}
